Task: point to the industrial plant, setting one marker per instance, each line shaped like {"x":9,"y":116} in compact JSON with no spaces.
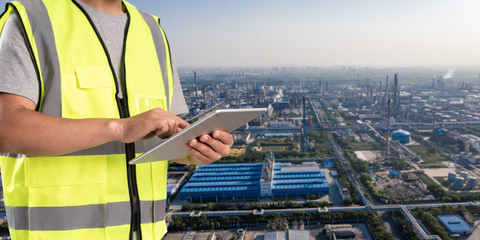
{"x":400,"y":141}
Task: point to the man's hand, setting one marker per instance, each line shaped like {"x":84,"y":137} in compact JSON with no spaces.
{"x":22,"y":130}
{"x":209,"y":148}
{"x":148,"y":124}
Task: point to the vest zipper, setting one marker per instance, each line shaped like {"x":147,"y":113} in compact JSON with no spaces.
{"x":122,"y":104}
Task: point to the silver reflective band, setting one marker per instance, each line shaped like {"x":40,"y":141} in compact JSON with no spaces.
{"x":160,"y":46}
{"x":47,"y":56}
{"x":81,"y":217}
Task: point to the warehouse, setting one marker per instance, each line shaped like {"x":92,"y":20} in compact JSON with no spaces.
{"x":455,"y":225}
{"x":243,"y":180}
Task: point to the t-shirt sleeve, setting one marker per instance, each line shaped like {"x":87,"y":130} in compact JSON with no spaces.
{"x":17,"y":73}
{"x":178,"y":106}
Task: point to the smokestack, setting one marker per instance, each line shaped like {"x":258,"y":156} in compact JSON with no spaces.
{"x":409,"y":108}
{"x":388,"y":130}
{"x":380,"y":93}
{"x":326,"y":87}
{"x":196,"y":84}
{"x":204,"y":95}
{"x":320,"y":86}
{"x":368,"y":90}
{"x":386,"y":93}
{"x":396,"y":95}
{"x":304,"y":140}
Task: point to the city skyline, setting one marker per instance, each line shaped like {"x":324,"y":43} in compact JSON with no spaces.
{"x":319,"y":33}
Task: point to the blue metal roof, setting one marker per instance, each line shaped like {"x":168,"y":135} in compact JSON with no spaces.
{"x":224,"y":178}
{"x":298,"y":174}
{"x":245,"y":173}
{"x":229,"y":169}
{"x":300,"y":186}
{"x":217,"y":184}
{"x":306,"y":171}
{"x":454,"y":224}
{"x":328,"y":163}
{"x":280,"y":134}
{"x":299,"y":181}
{"x":220,"y":189}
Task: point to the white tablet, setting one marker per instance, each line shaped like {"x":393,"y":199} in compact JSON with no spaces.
{"x":222,"y":119}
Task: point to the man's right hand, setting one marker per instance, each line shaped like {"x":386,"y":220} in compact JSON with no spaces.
{"x":148,"y":124}
{"x":23,"y":130}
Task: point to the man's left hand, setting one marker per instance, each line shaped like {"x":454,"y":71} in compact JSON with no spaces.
{"x":209,"y":148}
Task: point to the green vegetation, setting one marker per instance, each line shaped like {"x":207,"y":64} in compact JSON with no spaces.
{"x":432,"y":224}
{"x":354,"y":145}
{"x":322,"y":146}
{"x":408,"y":230}
{"x":343,"y":178}
{"x":251,"y":157}
{"x":428,"y":217}
{"x":283,"y":147}
{"x":367,"y":182}
{"x":442,"y":181}
{"x":398,"y":164}
{"x":430,"y":154}
{"x":475,"y":129}
{"x":223,"y":222}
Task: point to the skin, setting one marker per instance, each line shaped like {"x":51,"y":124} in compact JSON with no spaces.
{"x":25,"y":131}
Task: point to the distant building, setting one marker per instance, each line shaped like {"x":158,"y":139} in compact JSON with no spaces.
{"x":455,"y":225}
{"x":339,"y":231}
{"x":290,"y":235}
{"x":328,"y":164}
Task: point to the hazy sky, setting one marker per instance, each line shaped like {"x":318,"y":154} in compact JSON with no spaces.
{"x":320,"y":32}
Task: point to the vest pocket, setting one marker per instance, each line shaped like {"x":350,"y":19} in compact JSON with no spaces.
{"x":144,"y":103}
{"x":90,"y":93}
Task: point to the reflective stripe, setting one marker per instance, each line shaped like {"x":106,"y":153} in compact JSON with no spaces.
{"x":161,"y":51}
{"x":47,"y":56}
{"x":81,"y":217}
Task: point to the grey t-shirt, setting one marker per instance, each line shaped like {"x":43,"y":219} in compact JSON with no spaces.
{"x":17,"y":73}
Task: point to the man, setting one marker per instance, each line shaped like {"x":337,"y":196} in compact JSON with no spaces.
{"x":85,"y":85}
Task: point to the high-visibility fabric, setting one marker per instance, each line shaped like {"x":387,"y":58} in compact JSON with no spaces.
{"x":85,"y":195}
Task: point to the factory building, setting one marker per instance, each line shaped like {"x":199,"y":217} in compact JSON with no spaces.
{"x":455,"y":225}
{"x":253,"y":180}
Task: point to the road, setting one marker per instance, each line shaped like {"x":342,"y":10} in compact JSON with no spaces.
{"x":368,"y":205}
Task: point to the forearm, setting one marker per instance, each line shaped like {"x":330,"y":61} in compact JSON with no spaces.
{"x":33,"y":133}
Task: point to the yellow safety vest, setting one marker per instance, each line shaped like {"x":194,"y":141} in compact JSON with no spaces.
{"x":93,"y":193}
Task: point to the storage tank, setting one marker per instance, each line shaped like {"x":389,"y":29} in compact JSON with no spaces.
{"x":459,"y":182}
{"x":472,"y":182}
{"x":402,"y":136}
{"x":464,"y":174}
{"x":452,"y":176}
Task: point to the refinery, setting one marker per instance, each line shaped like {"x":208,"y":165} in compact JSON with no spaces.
{"x":339,"y":138}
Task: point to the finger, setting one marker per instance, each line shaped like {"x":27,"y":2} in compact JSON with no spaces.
{"x":216,"y":145}
{"x":202,"y":159}
{"x":173,"y":127}
{"x":224,"y":137}
{"x":182,"y":123}
{"x":207,"y":151}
